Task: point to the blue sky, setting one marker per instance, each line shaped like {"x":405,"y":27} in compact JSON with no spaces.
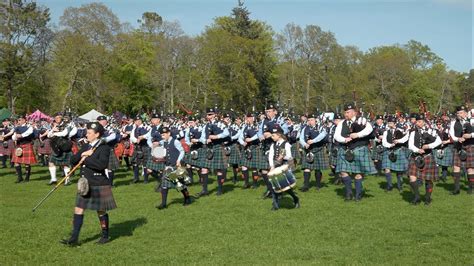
{"x":446,"y":26}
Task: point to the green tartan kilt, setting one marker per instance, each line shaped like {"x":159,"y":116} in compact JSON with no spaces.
{"x":166,"y":184}
{"x":200,"y":162}
{"x":295,"y":153}
{"x":235,"y":156}
{"x":61,"y":160}
{"x":218,"y":161}
{"x":153,"y":165}
{"x":400,"y":165}
{"x":252,"y":162}
{"x":408,"y":153}
{"x":99,"y":198}
{"x":146,"y":154}
{"x":333,"y":155}
{"x":362,"y":163}
{"x":320,"y":162}
{"x":114,"y":163}
{"x":448,"y":158}
{"x":375,"y":155}
{"x":262,"y":162}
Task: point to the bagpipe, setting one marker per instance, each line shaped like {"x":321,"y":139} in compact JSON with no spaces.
{"x":177,"y":176}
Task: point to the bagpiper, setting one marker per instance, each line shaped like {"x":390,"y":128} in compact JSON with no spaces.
{"x":23,"y":155}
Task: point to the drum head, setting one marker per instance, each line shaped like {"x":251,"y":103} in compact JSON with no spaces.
{"x":158,"y":152}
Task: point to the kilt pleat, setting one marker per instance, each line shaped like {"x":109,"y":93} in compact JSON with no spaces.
{"x":146,"y":154}
{"x":362,"y":163}
{"x":46,"y":149}
{"x":400,"y":165}
{"x":28,"y":156}
{"x":376,"y":156}
{"x":114,"y":163}
{"x":469,"y":162}
{"x":8,"y":150}
{"x":235,"y":154}
{"x":428,"y":172}
{"x":99,"y":198}
{"x":320,"y":162}
{"x":64,"y":159}
{"x":218,"y":161}
{"x":448,"y":158}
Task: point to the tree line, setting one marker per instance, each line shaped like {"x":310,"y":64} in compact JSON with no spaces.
{"x":93,"y":60}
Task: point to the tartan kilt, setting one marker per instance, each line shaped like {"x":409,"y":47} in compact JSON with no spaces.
{"x":153,"y":165}
{"x":28,"y":156}
{"x":114,"y":163}
{"x":235,"y":156}
{"x":146,"y":154}
{"x":448,"y":158}
{"x":75,"y":148}
{"x":46,"y":149}
{"x":375,"y":155}
{"x":165,"y":183}
{"x":333,"y":155}
{"x":99,"y":198}
{"x":201,"y":159}
{"x":128,"y":152}
{"x":118,"y":150}
{"x":469,"y":162}
{"x":262,"y":162}
{"x":61,"y":160}
{"x":252,"y":163}
{"x":429,"y":172}
{"x":218,"y":161}
{"x":362,"y":163}
{"x":320,"y":162}
{"x":295,"y":153}
{"x":7,"y":151}
{"x":400,"y":165}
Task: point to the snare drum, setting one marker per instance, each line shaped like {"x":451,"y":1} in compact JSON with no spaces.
{"x":281,"y":180}
{"x":158,"y":154}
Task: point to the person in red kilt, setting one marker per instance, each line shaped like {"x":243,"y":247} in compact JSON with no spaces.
{"x":462,"y":133}
{"x":24,"y":154}
{"x":422,"y":164}
{"x":99,"y":196}
{"x":127,"y":144}
{"x":44,"y":148}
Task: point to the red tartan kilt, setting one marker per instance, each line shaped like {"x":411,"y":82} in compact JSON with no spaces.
{"x":429,"y":172}
{"x":28,"y":156}
{"x":129,"y":152}
{"x":119,"y":150}
{"x":46,"y":149}
{"x":469,"y":162}
{"x":75,"y":148}
{"x":8,"y":150}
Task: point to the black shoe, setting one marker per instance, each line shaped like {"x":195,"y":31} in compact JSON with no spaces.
{"x":348,"y":198}
{"x":161,"y":207}
{"x":202,"y":194}
{"x":69,"y":242}
{"x":428,"y":202}
{"x":219,"y":193}
{"x":246,"y":186}
{"x":304,"y":189}
{"x":187,"y":202}
{"x":18,"y":181}
{"x":388,"y":189}
{"x":135,"y":181}
{"x":103,"y":240}
{"x":415,"y":202}
{"x":456,"y":192}
{"x":274,"y":209}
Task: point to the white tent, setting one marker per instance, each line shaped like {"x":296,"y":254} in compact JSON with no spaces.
{"x":91,"y":115}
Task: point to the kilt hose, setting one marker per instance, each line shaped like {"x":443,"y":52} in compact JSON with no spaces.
{"x":400,"y":165}
{"x":320,"y":162}
{"x":28,"y":156}
{"x":99,"y":198}
{"x":141,"y":154}
{"x":362,"y":163}
{"x":114,"y":163}
{"x":218,"y":160}
{"x":235,"y":154}
{"x":44,"y":147}
{"x":428,"y":172}
{"x":63,"y":159}
{"x":7,"y":150}
{"x":448,"y":158}
{"x":469,"y":162}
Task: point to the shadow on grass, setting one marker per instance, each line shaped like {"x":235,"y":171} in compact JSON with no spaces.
{"x":120,"y":229}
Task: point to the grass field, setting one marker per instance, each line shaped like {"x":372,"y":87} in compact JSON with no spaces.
{"x":238,"y":227}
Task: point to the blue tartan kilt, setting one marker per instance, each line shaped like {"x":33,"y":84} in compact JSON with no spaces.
{"x":99,"y":198}
{"x":61,"y":160}
{"x":262,"y":162}
{"x":295,"y":153}
{"x":376,"y":156}
{"x":200,"y":162}
{"x":400,"y":165}
{"x":154,"y":165}
{"x":252,"y":162}
{"x":114,"y":163}
{"x":321,"y":161}
{"x":218,"y":161}
{"x":146,"y":151}
{"x":333,"y":155}
{"x":448,"y":158}
{"x":235,"y":155}
{"x":362,"y":163}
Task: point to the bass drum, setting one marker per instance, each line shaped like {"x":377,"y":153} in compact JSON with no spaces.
{"x":280,"y":180}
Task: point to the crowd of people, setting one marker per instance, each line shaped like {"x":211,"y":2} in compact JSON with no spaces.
{"x":256,"y":146}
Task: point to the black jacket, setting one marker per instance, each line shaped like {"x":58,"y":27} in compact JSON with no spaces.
{"x":93,"y":167}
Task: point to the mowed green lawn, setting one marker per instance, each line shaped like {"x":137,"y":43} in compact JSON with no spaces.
{"x":238,"y":227}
